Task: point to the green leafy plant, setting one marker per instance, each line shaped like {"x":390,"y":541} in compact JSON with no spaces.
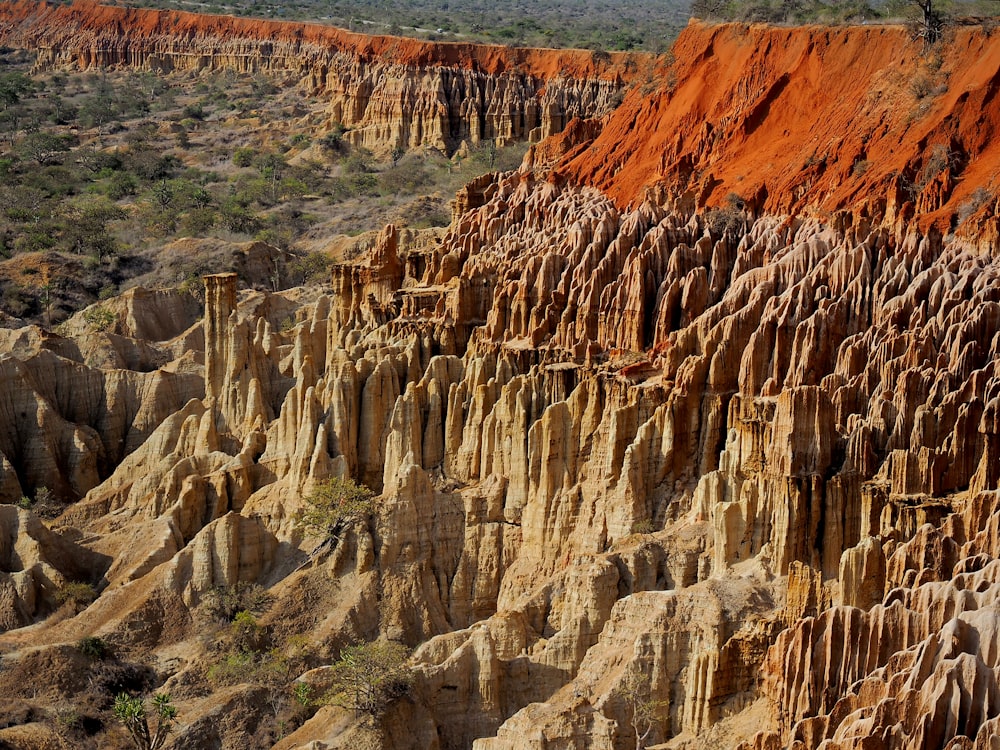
{"x":132,"y":712}
{"x":334,"y":505}
{"x":93,"y":647}
{"x":302,"y":692}
{"x":369,"y":676}
{"x":98,"y":318}
{"x":645,"y":526}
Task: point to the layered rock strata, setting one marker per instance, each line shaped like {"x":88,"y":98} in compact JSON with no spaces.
{"x":389,"y":92}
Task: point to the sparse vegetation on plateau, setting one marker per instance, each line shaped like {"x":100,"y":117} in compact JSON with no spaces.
{"x":96,"y":180}
{"x":927,"y":18}
{"x":615,"y":25}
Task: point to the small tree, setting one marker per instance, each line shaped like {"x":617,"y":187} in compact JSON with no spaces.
{"x":44,"y":146}
{"x":13,"y":86}
{"x":927,"y":18}
{"x":225,"y":603}
{"x":335,"y":505}
{"x":931,"y":21}
{"x":636,"y":690}
{"x":87,"y":227}
{"x":131,"y":712}
{"x":369,"y":676}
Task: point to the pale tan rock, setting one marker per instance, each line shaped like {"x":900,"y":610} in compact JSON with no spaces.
{"x":226,"y":551}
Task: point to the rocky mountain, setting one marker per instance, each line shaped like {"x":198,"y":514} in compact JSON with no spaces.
{"x":685,"y":435}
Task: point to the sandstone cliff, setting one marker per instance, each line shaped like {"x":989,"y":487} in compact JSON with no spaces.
{"x":737,"y":466}
{"x":389,"y":92}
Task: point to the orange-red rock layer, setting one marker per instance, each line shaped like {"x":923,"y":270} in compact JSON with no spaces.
{"x":142,"y":24}
{"x":809,"y":118}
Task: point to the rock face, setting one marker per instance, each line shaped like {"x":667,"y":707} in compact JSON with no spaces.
{"x":703,"y":478}
{"x":748,"y":113}
{"x":389,"y":92}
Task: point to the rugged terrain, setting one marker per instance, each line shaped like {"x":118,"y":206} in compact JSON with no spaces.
{"x":695,"y":417}
{"x":388,"y":92}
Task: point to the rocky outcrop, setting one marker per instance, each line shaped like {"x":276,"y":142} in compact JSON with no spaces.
{"x":67,"y":425}
{"x":916,"y":669}
{"x":389,"y":92}
{"x":35,"y":565}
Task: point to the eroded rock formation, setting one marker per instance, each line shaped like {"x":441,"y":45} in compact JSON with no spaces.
{"x":741,"y":468}
{"x":389,"y":92}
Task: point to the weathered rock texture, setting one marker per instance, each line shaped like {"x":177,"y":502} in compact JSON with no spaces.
{"x":390,"y":92}
{"x":741,"y":468}
{"x":820,"y":118}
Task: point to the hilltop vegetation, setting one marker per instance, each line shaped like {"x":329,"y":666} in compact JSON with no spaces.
{"x":616,"y":25}
{"x":588,"y":24}
{"x":837,"y":11}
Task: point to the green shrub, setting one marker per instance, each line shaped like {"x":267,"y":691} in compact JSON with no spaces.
{"x":121,"y":184}
{"x":245,"y":634}
{"x":369,"y":676}
{"x":226,"y":603}
{"x":98,"y":318}
{"x":198,"y":221}
{"x":233,"y":669}
{"x":195,"y":111}
{"x":93,"y":647}
{"x":335,"y":505}
{"x":406,"y":176}
{"x":311,"y":268}
{"x":79,"y":594}
{"x":238,"y":218}
{"x":244,"y":156}
{"x":644,"y":526}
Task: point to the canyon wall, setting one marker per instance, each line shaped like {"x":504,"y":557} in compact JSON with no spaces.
{"x":649,"y":463}
{"x":389,"y":92}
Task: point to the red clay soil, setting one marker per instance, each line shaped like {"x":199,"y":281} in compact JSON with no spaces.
{"x":809,"y":119}
{"x":137,"y":23}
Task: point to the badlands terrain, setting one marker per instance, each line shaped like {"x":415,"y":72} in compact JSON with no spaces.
{"x":683,"y":434}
